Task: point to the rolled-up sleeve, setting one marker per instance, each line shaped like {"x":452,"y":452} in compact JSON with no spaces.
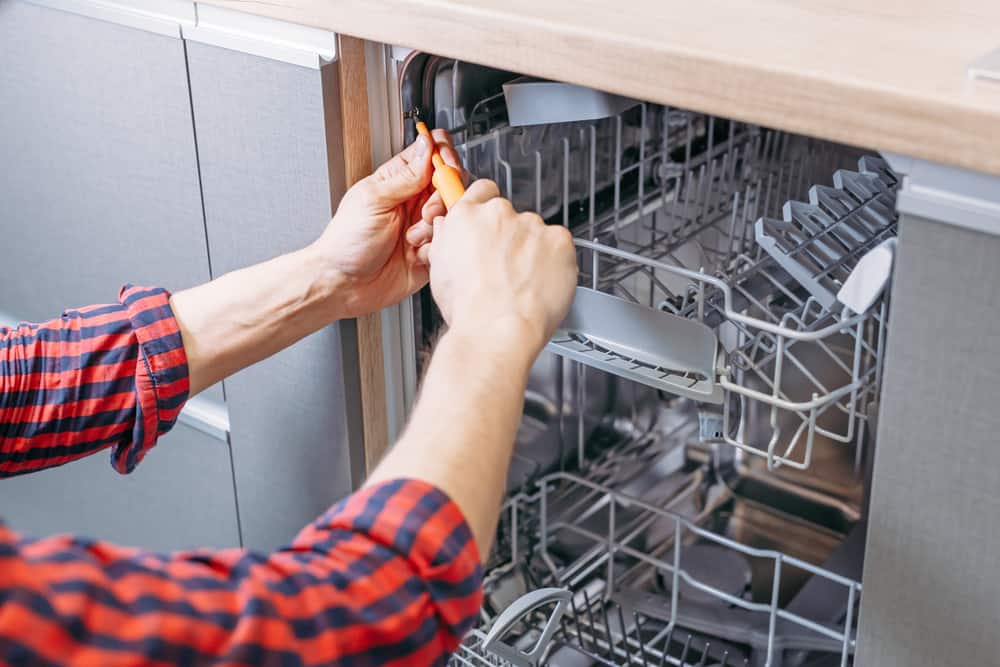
{"x":111,"y":375}
{"x":391,"y":575}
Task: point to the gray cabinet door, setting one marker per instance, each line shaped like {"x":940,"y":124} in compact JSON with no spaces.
{"x":262,"y":131}
{"x":180,"y":497}
{"x":100,"y":176}
{"x":100,"y":186}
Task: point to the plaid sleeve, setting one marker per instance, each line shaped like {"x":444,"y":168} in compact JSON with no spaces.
{"x":390,"y":576}
{"x":112,"y":375}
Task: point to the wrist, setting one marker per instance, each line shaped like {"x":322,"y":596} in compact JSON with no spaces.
{"x":327,"y":285}
{"x":509,"y":340}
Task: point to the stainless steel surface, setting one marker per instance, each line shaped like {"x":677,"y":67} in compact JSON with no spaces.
{"x":931,"y":565}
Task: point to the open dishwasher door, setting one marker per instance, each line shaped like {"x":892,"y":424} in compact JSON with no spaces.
{"x":666,"y":507}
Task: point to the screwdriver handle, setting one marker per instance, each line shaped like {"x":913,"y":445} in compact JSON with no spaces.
{"x":446,"y":179}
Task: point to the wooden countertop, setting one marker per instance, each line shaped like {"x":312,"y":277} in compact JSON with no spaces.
{"x":887,"y":74}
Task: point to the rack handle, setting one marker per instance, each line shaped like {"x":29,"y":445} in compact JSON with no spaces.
{"x":513,"y":614}
{"x":446,"y":179}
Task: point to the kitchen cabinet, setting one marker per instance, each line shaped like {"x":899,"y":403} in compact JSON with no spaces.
{"x":100,"y":179}
{"x":181,"y":497}
{"x":156,"y":145}
{"x":100,"y":186}
{"x":270,"y":171}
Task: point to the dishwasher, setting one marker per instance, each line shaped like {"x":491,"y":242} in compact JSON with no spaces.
{"x":660,"y":512}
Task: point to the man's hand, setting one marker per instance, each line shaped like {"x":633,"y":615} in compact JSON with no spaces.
{"x":503,"y":281}
{"x":495,"y":270}
{"x":361,"y":263}
{"x":366,"y":245}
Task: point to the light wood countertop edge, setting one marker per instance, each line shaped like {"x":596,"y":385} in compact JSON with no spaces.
{"x":823,"y":104}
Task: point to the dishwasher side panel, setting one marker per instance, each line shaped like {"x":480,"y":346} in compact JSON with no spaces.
{"x":931,"y":591}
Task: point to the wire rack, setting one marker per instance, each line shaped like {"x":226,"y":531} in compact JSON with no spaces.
{"x":587,"y":606}
{"x":697,"y":216}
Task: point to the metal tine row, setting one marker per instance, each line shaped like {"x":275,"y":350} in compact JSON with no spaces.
{"x":631,"y":647}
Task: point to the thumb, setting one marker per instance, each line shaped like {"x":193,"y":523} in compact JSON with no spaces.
{"x":405,"y":175}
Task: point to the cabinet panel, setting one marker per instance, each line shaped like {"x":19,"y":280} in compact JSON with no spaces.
{"x":265,"y":174}
{"x":101,"y":179}
{"x":180,"y":497}
{"x":100,"y":186}
{"x":932,"y":596}
{"x":100,"y":182}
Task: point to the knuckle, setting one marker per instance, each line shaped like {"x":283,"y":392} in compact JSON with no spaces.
{"x":367,"y":189}
{"x":485,"y":188}
{"x":531,"y":218}
{"x":562,"y":238}
{"x":499,"y":206}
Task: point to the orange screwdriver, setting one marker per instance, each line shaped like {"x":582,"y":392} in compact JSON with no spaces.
{"x":446,"y":179}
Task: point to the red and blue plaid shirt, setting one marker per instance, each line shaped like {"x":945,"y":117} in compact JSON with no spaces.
{"x":389,"y":575}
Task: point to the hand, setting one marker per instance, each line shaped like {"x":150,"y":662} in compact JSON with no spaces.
{"x":365,"y":244}
{"x":499,"y":273}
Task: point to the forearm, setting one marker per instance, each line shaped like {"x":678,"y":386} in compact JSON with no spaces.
{"x":461,"y":434}
{"x":248,"y":315}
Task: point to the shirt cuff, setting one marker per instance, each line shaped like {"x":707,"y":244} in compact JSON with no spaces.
{"x":421,"y":524}
{"x":161,"y":374}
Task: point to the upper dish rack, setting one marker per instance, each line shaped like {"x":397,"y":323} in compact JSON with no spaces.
{"x":698,"y":217}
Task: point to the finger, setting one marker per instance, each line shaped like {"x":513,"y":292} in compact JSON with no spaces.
{"x":420,"y":275}
{"x":432,"y":208}
{"x":419,"y":271}
{"x":406,"y":174}
{"x":442,"y":137}
{"x":424,"y":254}
{"x":415,"y":207}
{"x":446,"y":148}
{"x":426,"y":251}
{"x":450,"y":155}
{"x":420,"y":233}
{"x":481,"y":191}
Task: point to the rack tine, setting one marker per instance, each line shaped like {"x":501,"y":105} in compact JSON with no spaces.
{"x":621,"y":624}
{"x":666,"y":647}
{"x":684,"y":651}
{"x":607,"y":629}
{"x":576,"y":618}
{"x":704,"y":655}
{"x":638,"y":635}
{"x":725,"y":659}
{"x":590,"y":619}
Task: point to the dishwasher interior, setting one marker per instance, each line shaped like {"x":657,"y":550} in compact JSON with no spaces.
{"x":658,"y":514}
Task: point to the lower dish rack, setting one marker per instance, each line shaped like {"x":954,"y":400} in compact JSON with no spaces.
{"x":617,"y":580}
